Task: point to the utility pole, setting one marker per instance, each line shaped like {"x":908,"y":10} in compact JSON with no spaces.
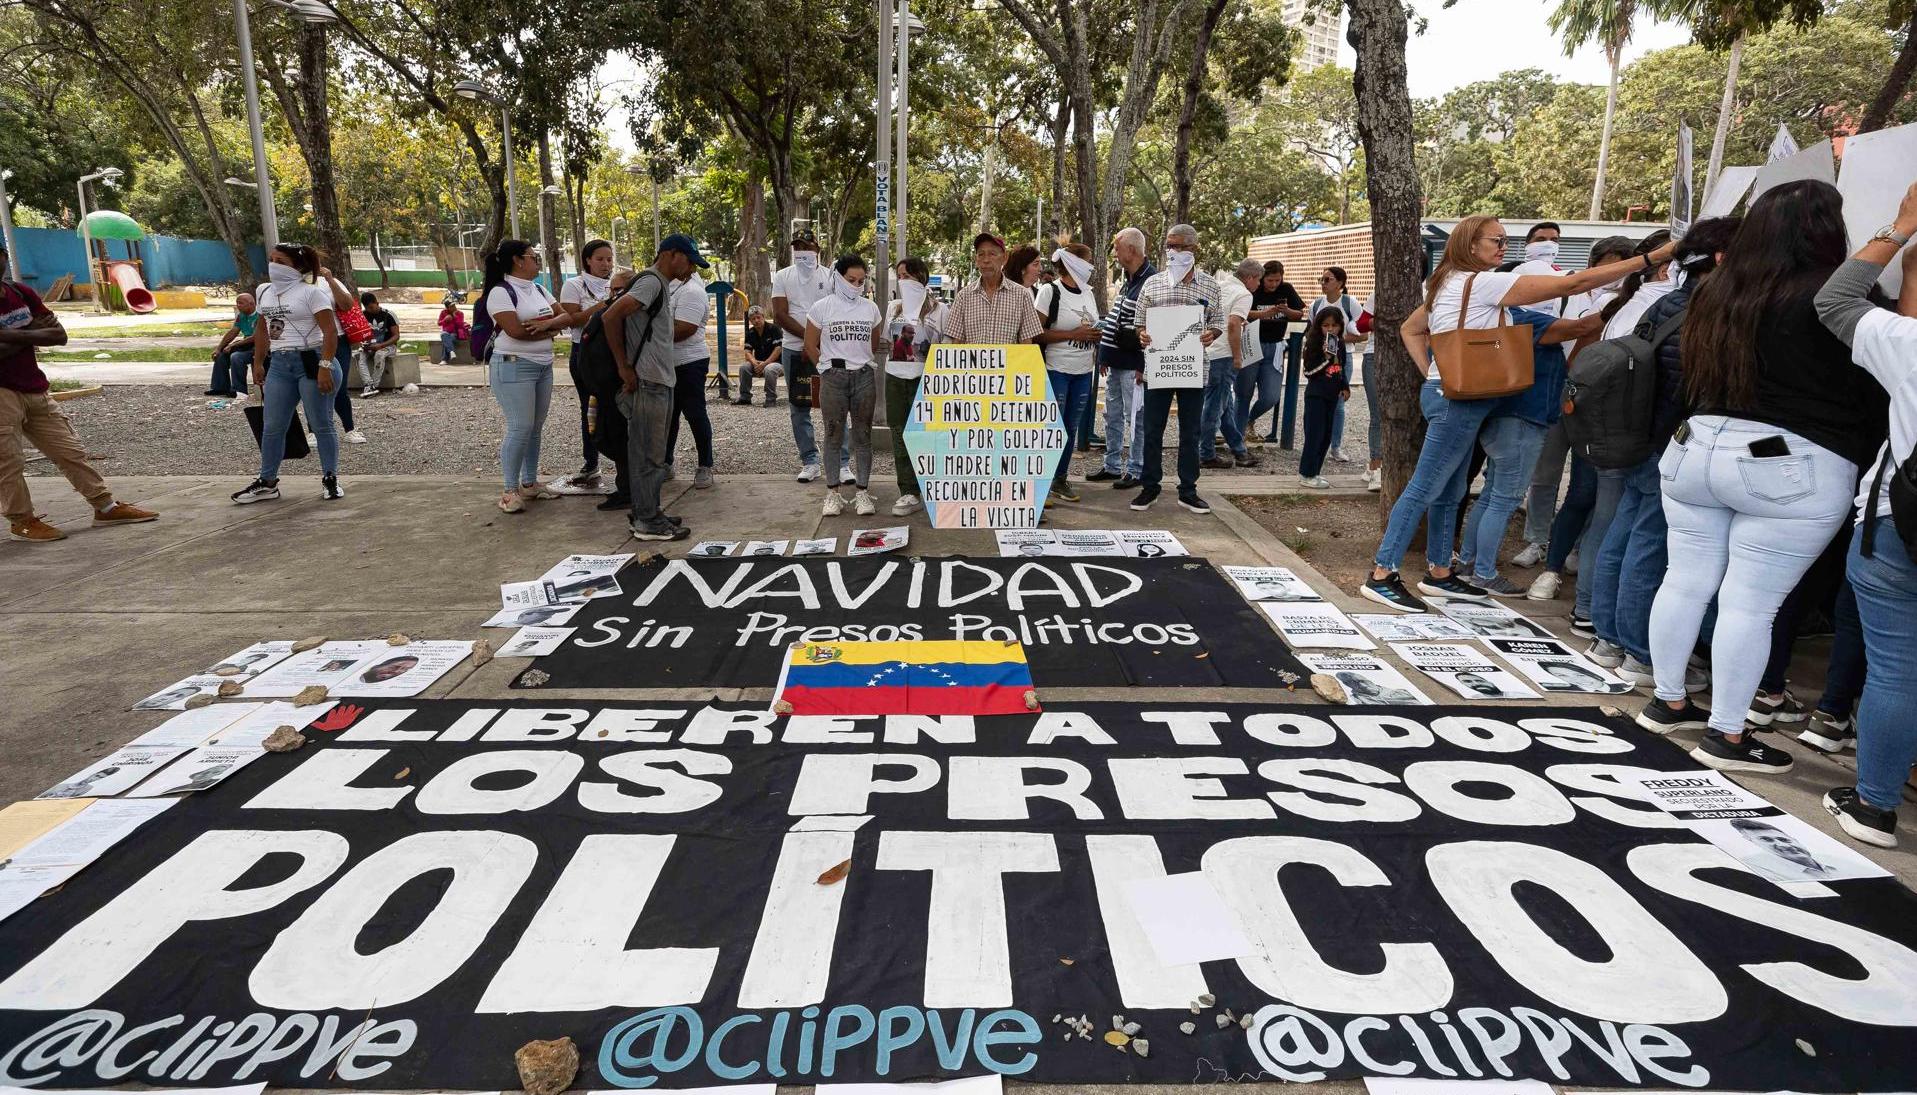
{"x":898,"y":169}
{"x":882,"y":263}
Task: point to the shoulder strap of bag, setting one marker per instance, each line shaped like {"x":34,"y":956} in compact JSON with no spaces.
{"x":1666,"y":329}
{"x":1464,"y":306}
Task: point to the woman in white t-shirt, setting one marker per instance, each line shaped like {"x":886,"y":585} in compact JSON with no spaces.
{"x":917,"y":322}
{"x":582,"y":297}
{"x":1332,"y":294}
{"x":1471,"y":256}
{"x":1069,"y":339}
{"x":519,"y":367}
{"x":294,"y":364}
{"x":842,"y":337}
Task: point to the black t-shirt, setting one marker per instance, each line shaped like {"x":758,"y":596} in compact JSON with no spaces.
{"x":384,"y":323}
{"x":1808,"y":384}
{"x":1273,"y":330}
{"x":759,"y":343}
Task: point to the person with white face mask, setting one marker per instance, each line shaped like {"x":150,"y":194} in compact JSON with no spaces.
{"x":294,"y":364}
{"x":1070,"y":341}
{"x":795,"y":289}
{"x":1180,"y":284}
{"x":843,"y":333}
{"x":581,"y":298}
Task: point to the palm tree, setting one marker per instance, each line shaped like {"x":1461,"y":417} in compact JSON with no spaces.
{"x":1607,"y":22}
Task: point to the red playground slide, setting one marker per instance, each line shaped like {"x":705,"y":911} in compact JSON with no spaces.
{"x":127,"y":277}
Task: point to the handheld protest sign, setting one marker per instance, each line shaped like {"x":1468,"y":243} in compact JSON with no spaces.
{"x":984,"y":436}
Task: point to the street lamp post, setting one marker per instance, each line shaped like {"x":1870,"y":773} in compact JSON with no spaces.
{"x":883,"y":182}
{"x":478,"y":92}
{"x":616,"y":222}
{"x":909,"y":25}
{"x":548,"y":195}
{"x":309,"y":11}
{"x":11,"y":270}
{"x":108,"y":175}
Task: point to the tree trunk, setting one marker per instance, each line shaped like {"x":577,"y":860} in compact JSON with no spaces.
{"x":985,"y":182}
{"x":1725,"y":106}
{"x":1895,"y":83}
{"x":302,"y":99}
{"x":1604,"y":137}
{"x":1377,"y":33}
{"x":379,"y":261}
{"x":751,"y":271}
{"x":1188,"y":111}
{"x":1061,"y":123}
{"x":548,"y":214}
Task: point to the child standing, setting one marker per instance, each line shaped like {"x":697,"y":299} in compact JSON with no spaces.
{"x":1327,"y":369}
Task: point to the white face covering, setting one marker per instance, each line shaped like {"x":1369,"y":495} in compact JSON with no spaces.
{"x":1080,"y":270}
{"x":282,"y":275}
{"x":806,"y":260}
{"x":1541,"y":251}
{"x":596,"y":285}
{"x":845,"y":289}
{"x":1180,"y":263}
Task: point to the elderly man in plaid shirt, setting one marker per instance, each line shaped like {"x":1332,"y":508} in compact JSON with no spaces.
{"x":1180,"y":282}
{"x":991,"y":311}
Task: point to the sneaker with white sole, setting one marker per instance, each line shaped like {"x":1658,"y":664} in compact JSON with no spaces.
{"x":1390,"y":592}
{"x":1501,"y":586}
{"x":1744,"y":755}
{"x":1544,"y":587}
{"x":368,"y":393}
{"x":834,"y":504}
{"x":907,"y":504}
{"x":846,"y":478}
{"x":809,"y":474}
{"x":1191,"y":501}
{"x":1531,"y":556}
{"x":702,"y":479}
{"x":1340,"y":457}
{"x":1452,"y":588}
{"x":330,"y":488}
{"x":1828,"y":733}
{"x":1582,"y":627}
{"x":864,"y":504}
{"x":1660,"y":718}
{"x":1315,"y":482}
{"x":259,"y":490}
{"x":1860,"y":820}
{"x":1608,"y":655}
{"x":1374,"y":480}
{"x":1635,"y":671}
{"x":354,"y":437}
{"x":660,"y":530}
{"x":1784,"y":707}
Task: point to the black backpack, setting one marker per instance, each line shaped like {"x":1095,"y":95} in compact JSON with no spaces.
{"x":1903,"y":505}
{"x":1051,"y":310}
{"x":593,"y":354}
{"x":1610,"y":397}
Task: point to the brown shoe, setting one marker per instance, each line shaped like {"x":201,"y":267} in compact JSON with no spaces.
{"x":1216,"y":462}
{"x":123,"y":513}
{"x":32,"y":530}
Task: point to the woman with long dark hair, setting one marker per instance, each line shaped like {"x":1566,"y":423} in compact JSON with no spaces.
{"x":1762,"y":473}
{"x":519,"y":368}
{"x":1471,"y":256}
{"x":295,"y":364}
{"x":581,"y":298}
{"x":1023,"y":266}
{"x":1327,"y":371}
{"x":1639,"y":291}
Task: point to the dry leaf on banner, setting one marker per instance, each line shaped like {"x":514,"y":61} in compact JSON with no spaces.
{"x":836,"y":874}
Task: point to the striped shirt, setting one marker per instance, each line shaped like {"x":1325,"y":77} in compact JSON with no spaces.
{"x":1161,"y":291}
{"x":1118,"y":339}
{"x":1005,"y":317}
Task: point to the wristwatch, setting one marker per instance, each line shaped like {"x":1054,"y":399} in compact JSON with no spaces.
{"x":1890,"y":234}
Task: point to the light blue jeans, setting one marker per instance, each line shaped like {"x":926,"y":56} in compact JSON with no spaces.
{"x":1511,"y":450}
{"x":1221,"y":395}
{"x":1745,"y":528}
{"x":1630,"y":564}
{"x":1124,"y":400}
{"x":287,"y":386}
{"x":1072,"y":391}
{"x":1886,"y":587}
{"x":1451,"y":431}
{"x":524,"y":391}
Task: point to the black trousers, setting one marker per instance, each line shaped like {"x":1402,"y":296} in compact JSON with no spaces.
{"x":1191,"y":407}
{"x":1318,"y":415}
{"x":610,"y":438}
{"x":591,"y":462}
{"x":689,"y":403}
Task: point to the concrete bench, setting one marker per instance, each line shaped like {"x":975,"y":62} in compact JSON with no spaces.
{"x":403,"y":371}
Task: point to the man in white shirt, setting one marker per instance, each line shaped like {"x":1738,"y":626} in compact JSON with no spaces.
{"x":795,"y":289}
{"x":690,"y":359}
{"x":1224,"y":358}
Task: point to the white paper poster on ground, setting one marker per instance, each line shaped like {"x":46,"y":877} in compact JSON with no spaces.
{"x":1149,"y":544}
{"x":1025,"y":541}
{"x":712,"y":549}
{"x":1464,"y":669}
{"x":1555,"y":667}
{"x":1087,"y":542}
{"x":174,"y":696}
{"x":1185,"y":920}
{"x":594,"y":484}
{"x":1125,"y":543}
{"x":81,"y":838}
{"x":1729,"y":188}
{"x":825,"y":546}
{"x":22,"y":823}
{"x":1315,"y":625}
{"x":1813,"y":163}
{"x":249,"y":663}
{"x":1878,"y":168}
{"x":1271,"y":584}
{"x":766,"y":547}
{"x":522,"y":595}
{"x":21,"y":886}
{"x":1367,"y":679}
{"x":1176,"y":357}
{"x":875,"y":541}
{"x":1751,"y":830}
{"x":404,"y":671}
{"x":583,"y":577}
{"x":327,"y":665}
{"x":1415,"y":627}
{"x":1396,"y":1085}
{"x":534,"y":616}
{"x":116,"y":772}
{"x":199,"y":770}
{"x":190,"y":728}
{"x":255,"y":728}
{"x":535,"y":642}
{"x":1493,"y":621}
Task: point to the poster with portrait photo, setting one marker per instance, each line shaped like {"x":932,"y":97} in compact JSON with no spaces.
{"x":583,"y":577}
{"x":198,"y":770}
{"x":1493,"y":621}
{"x":1025,"y":541}
{"x":1751,"y":830}
{"x":259,"y":725}
{"x":876,"y":541}
{"x":1416,"y":627}
{"x":534,"y":616}
{"x":535,"y":642}
{"x":1555,"y":667}
{"x":402,"y":671}
{"x":1149,"y":544}
{"x":1367,"y":679}
{"x":1315,"y":625}
{"x":522,"y":594}
{"x":1085,"y":543}
{"x":327,"y":665}
{"x":766,"y":547}
{"x":1271,"y":584}
{"x":246,"y":664}
{"x":1464,"y":669}
{"x":823,"y":546}
{"x":174,"y":696}
{"x":120,"y":770}
{"x":712,"y":549}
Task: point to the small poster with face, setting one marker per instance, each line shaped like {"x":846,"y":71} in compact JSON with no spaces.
{"x":766,"y":547}
{"x":824,"y":546}
{"x":1149,"y":544}
{"x":1414,"y":627}
{"x":1315,"y":625}
{"x":1271,"y":584}
{"x":403,"y":671}
{"x":1367,"y":679}
{"x":535,"y":642}
{"x":876,"y":541}
{"x":712,"y":549}
{"x":1464,"y":669}
{"x":1555,"y":667}
{"x":1493,"y":621}
{"x":1750,"y":829}
{"x":583,"y":577}
{"x":534,"y":616}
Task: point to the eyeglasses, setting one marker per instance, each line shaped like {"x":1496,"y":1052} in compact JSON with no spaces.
{"x":1499,"y":240}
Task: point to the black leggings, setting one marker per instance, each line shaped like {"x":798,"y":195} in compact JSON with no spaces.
{"x":611,"y":440}
{"x":343,"y":392}
{"x":591,"y":462}
{"x":689,"y":403}
{"x":1318,"y":415}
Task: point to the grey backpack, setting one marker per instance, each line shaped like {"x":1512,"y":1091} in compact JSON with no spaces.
{"x":1610,"y":397}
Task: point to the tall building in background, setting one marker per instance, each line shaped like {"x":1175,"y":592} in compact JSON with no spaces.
{"x":1318,"y":39}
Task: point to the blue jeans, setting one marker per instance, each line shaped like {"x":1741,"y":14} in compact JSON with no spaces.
{"x":1374,"y":431}
{"x":230,"y":369}
{"x":523,"y":389}
{"x":1886,"y":586}
{"x":343,"y":393}
{"x":1511,"y":450}
{"x":1451,"y":431}
{"x":288,"y":386}
{"x":1072,"y":391}
{"x":1124,"y":404}
{"x":803,"y":436}
{"x":1608,"y":488}
{"x":447,"y":347}
{"x":1338,"y":427}
{"x":1845,"y":678}
{"x":1573,"y":514}
{"x":1221,"y":395}
{"x":1630,"y":563}
{"x":1262,"y":386}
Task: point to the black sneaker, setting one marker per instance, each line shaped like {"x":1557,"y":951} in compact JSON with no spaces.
{"x":1246,"y":460}
{"x":1827,"y":733}
{"x":663,"y":530}
{"x":1390,"y":592}
{"x":675,"y":522}
{"x":1191,"y":501}
{"x":259,"y":490}
{"x":1749,"y":755}
{"x":1145,"y":497}
{"x":1126,"y":482}
{"x":615,"y":501}
{"x":329,"y":488}
{"x":1063,"y":491}
{"x":1860,"y":820}
{"x":1101,"y":476}
{"x":745,"y":402}
{"x":1452,"y":588}
{"x":1785,"y":708}
{"x":1582,"y":627}
{"x":1658,"y":718}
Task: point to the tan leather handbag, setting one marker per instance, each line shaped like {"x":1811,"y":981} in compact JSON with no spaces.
{"x":1479,"y":363}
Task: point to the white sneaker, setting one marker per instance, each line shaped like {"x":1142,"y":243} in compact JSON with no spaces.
{"x":368,"y":393}
{"x":846,"y":478}
{"x":1531,"y":556}
{"x":354,"y":437}
{"x":810,"y":473}
{"x":1374,"y":480}
{"x":1340,"y":457}
{"x":312,"y":439}
{"x":1636,"y":672}
{"x":1571,"y":562}
{"x":242,"y":399}
{"x":702,"y":479}
{"x":1608,"y":655}
{"x":863,"y":504}
{"x":907,"y":504}
{"x":834,"y":504}
{"x":1545,"y":586}
{"x":1315,"y":482}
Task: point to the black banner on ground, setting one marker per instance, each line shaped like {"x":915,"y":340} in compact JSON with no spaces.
{"x":706,"y":894}
{"x":725,"y":623}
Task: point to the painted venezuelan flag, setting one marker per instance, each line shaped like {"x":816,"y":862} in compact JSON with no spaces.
{"x":948,"y":677}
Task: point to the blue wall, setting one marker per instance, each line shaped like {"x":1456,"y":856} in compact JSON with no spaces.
{"x":48,"y":253}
